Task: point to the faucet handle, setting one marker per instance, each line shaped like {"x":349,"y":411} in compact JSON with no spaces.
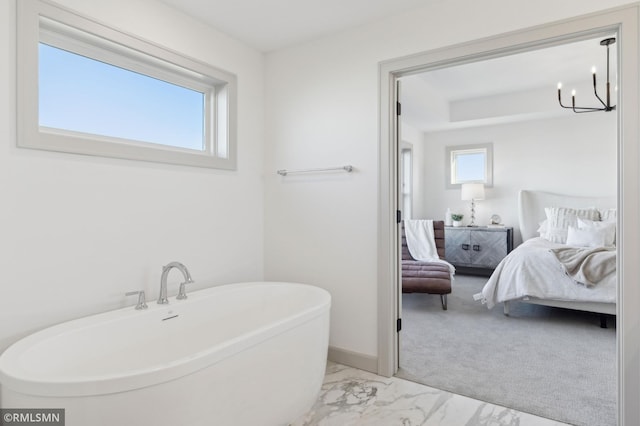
{"x":142,"y":304}
{"x":182,"y":292}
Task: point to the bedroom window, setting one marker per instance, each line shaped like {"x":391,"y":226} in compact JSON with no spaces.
{"x":469,"y":164}
{"x":406,"y":165}
{"x":88,"y":89}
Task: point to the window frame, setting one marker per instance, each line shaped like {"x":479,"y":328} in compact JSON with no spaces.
{"x":406,"y":185}
{"x":450,"y":155}
{"x":40,"y":21}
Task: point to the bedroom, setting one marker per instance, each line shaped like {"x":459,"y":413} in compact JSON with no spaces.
{"x":511,"y":103}
{"x":536,"y":145}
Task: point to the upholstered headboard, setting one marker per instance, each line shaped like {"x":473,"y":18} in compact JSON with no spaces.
{"x":531,"y":206}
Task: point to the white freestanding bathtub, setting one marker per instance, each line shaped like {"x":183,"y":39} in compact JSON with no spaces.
{"x":239,"y":354}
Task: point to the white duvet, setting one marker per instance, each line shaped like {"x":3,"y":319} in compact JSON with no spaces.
{"x":531,"y":270}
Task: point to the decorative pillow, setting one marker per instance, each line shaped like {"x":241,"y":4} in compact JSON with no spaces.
{"x":608,"y":228}
{"x":542,"y":230}
{"x":560,"y":218}
{"x":589,"y":237}
{"x":610,"y":215}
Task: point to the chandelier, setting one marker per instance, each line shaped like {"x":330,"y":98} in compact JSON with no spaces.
{"x":605,"y":106}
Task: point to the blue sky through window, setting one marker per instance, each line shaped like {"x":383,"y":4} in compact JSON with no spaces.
{"x":84,"y":95}
{"x":470,"y":167}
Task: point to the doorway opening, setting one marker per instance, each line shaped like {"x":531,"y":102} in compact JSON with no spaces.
{"x":624,"y":23}
{"x":501,"y":114}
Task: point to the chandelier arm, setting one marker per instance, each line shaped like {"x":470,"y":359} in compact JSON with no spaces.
{"x":595,"y":92}
{"x":568,"y":107}
{"x":560,"y":100}
{"x":579,"y":110}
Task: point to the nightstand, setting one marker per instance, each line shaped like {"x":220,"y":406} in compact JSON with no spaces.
{"x":477,"y":250}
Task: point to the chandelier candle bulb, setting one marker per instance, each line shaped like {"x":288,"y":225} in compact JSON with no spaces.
{"x":560,"y":92}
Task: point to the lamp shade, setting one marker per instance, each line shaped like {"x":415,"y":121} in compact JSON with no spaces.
{"x":472,"y":191}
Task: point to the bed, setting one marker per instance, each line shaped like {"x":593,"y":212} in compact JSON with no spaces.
{"x":531,"y":273}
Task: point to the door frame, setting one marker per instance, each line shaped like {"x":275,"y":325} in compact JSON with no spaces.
{"x":623,"y":20}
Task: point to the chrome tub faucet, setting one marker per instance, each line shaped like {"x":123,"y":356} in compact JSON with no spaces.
{"x":182,"y":294}
{"x":142,"y":304}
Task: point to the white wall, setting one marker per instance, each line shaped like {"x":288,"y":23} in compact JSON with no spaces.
{"x":77,"y":232}
{"x":322,"y":110}
{"x":573,"y":155}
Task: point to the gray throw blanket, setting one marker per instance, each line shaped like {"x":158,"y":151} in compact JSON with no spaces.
{"x":587,"y":266}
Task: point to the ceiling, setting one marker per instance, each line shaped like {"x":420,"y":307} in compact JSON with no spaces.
{"x":275,"y":24}
{"x":511,"y":88}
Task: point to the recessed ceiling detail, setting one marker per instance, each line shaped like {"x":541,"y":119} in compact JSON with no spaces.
{"x":511,"y":88}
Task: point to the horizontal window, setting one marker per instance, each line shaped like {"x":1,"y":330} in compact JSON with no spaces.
{"x":88,"y":96}
{"x":89,"y":89}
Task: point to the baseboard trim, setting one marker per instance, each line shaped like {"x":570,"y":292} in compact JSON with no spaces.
{"x":353,"y":359}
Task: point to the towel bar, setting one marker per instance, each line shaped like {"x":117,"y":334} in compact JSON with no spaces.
{"x":285,"y":172}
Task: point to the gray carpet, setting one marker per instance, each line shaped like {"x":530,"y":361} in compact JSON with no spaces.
{"x":554,"y":363}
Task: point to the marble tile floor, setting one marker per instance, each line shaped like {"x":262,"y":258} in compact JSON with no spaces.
{"x":354,"y":397}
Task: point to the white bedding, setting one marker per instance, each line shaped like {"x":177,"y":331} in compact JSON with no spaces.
{"x":531,"y":270}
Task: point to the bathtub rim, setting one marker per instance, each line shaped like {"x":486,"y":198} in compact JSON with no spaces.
{"x":21,"y":381}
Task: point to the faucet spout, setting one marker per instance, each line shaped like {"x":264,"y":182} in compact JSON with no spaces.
{"x":162,"y":299}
